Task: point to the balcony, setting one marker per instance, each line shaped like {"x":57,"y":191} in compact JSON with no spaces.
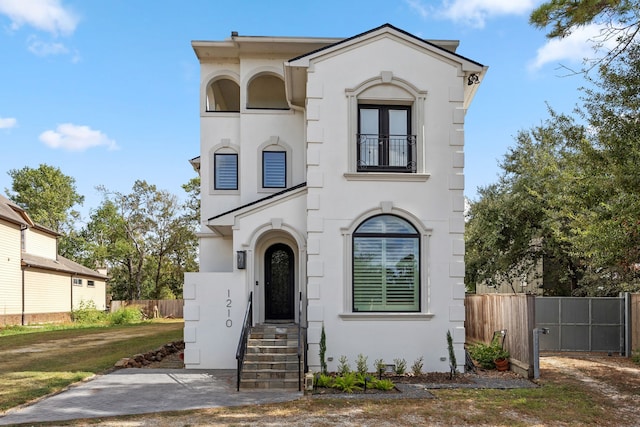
{"x":386,"y":153}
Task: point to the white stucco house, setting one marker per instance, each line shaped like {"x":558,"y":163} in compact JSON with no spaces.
{"x":332,"y":178}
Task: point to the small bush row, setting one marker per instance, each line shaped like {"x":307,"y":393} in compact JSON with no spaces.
{"x":352,"y":381}
{"x":87,"y":314}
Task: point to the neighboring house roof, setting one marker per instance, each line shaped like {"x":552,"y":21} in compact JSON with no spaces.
{"x":61,"y":264}
{"x":11,"y":212}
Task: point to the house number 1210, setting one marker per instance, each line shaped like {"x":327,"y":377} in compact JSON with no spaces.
{"x":229,"y":322}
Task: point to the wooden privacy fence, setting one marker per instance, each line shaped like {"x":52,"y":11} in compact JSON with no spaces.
{"x":154,"y":307}
{"x":634,"y":321}
{"x":488,"y":313}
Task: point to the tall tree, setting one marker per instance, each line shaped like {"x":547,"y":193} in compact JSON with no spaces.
{"x":619,"y":19}
{"x":47,"y":194}
{"x":145,"y":238}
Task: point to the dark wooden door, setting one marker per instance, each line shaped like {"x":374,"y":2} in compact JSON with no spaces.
{"x":279,"y":283}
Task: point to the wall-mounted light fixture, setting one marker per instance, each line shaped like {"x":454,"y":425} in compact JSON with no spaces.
{"x":241,"y":260}
{"x":473,"y":79}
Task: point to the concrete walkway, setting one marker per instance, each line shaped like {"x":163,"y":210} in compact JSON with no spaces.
{"x":141,"y":391}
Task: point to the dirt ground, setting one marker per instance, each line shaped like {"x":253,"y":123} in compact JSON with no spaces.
{"x":613,"y":378}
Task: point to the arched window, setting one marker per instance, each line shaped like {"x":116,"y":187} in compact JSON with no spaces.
{"x":223,"y":95}
{"x":266,"y":91}
{"x":386,"y":266}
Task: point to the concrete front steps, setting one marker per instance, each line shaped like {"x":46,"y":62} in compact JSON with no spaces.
{"x":271,"y":360}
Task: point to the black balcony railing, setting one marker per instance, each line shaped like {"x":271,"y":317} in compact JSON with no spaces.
{"x":386,"y":153}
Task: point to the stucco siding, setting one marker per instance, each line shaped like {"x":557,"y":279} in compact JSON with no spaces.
{"x":47,"y":291}
{"x":10,"y":271}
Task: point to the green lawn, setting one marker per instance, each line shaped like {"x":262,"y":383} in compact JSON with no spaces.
{"x":36,"y":364}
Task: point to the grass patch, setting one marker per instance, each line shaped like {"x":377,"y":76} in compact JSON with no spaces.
{"x":36,"y":364}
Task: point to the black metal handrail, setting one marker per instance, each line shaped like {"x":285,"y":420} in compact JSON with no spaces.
{"x":299,"y":341}
{"x":244,"y":336}
{"x":386,"y":153}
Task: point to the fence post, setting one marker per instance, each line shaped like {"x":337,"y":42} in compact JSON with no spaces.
{"x":536,"y":350}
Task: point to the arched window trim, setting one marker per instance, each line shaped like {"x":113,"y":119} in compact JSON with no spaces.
{"x":204,"y":87}
{"x":224,"y":147}
{"x":425,"y":283}
{"x":257,"y":73}
{"x":358,"y":95}
{"x":275,"y":144}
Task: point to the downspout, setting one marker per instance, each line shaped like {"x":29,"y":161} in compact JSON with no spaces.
{"x":22,"y":228}
{"x":23,"y":315}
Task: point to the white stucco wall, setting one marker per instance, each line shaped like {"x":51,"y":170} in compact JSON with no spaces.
{"x":338,"y":201}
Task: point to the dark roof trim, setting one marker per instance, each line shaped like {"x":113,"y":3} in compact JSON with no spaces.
{"x":271,"y":196}
{"x":396,"y":29}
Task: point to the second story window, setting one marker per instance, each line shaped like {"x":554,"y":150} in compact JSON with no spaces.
{"x":274,"y":169}
{"x":226,"y":171}
{"x":385,"y":143}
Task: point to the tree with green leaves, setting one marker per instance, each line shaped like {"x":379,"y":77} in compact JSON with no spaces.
{"x":619,"y":19}
{"x":48,"y":195}
{"x":146,"y":239}
{"x":572,"y":185}
{"x":50,"y":198}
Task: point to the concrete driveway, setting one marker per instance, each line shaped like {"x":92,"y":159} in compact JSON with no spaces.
{"x":141,"y":391}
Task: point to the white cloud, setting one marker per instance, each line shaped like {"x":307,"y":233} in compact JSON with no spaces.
{"x":418,"y":7}
{"x":476,"y":12}
{"x":7,"y":122}
{"x":574,"y":48}
{"x":43,"y":48}
{"x":76,"y":138}
{"x":45,"y":15}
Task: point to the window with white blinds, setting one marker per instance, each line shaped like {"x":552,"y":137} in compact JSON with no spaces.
{"x":226,"y":172}
{"x":274,"y":169}
{"x":386,"y":270}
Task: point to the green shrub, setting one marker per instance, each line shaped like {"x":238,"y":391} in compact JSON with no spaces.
{"x":125,"y":316}
{"x":401,"y":366}
{"x":343,"y":366}
{"x":87,"y":313}
{"x":361,"y":364}
{"x":323,"y":380}
{"x":323,"y":351}
{"x":346,"y":383}
{"x":416,"y":368}
{"x":635,"y":356}
{"x":380,"y":367}
{"x":385,"y":384}
{"x":485,"y":354}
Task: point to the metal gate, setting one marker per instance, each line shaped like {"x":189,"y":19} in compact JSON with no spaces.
{"x":582,"y":324}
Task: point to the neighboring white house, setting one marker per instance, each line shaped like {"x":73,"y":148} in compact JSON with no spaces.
{"x":332,"y":190}
{"x":36,"y":284}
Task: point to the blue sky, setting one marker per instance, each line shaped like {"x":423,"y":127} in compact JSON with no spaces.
{"x":108,"y":90}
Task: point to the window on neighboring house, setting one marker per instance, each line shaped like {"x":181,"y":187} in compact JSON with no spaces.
{"x":385,"y":143}
{"x":225,"y":171}
{"x":77,"y":282}
{"x":91,"y":283}
{"x":386,"y":267}
{"x":274,"y":169}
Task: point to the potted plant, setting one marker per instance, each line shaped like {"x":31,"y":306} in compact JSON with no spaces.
{"x":486,"y":355}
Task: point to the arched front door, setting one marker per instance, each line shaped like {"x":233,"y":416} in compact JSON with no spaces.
{"x":279,"y":283}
